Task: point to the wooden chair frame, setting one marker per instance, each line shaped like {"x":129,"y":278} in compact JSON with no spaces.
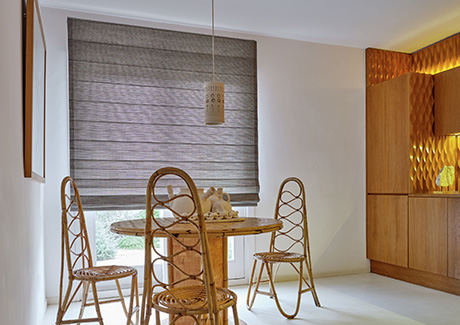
{"x":193,"y":294}
{"x":295,"y":204}
{"x":76,"y":253}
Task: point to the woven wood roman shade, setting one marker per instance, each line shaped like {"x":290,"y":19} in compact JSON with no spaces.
{"x":136,"y":104}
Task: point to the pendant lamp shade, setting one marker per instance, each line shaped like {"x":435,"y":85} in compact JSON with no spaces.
{"x":214,"y":103}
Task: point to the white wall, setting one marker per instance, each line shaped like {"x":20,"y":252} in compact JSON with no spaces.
{"x":22,"y":291}
{"x":311,"y":125}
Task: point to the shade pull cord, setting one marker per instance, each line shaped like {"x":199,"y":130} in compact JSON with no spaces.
{"x":213,"y":64}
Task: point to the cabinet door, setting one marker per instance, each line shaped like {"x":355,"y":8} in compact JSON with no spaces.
{"x":387,"y":136}
{"x":428,"y":235}
{"x":446,"y":102}
{"x":453,"y":257}
{"x":387,"y":229}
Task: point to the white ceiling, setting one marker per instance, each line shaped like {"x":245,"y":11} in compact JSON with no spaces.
{"x":400,"y":25}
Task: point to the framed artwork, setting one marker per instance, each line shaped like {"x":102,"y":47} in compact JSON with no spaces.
{"x":34,"y":94}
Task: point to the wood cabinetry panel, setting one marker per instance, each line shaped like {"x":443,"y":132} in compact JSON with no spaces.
{"x":387,"y":229}
{"x":387,"y":136}
{"x":453,"y":244}
{"x":446,"y":102}
{"x":428,"y":235}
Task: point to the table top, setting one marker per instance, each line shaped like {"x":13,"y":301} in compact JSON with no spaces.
{"x":250,"y":226}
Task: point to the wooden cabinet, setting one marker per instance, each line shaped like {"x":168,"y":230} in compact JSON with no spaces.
{"x":428,"y":234}
{"x":411,"y":236}
{"x":453,"y":244}
{"x":387,"y":136}
{"x":387,"y":229}
{"x":447,"y":102}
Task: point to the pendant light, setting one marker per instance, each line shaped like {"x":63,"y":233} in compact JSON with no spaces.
{"x":214,"y":92}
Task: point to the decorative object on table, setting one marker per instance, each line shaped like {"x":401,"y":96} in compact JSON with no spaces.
{"x":215,"y":207}
{"x":183,"y":204}
{"x":75,"y":246}
{"x":34,"y":94}
{"x":186,"y":293}
{"x":291,"y":209}
{"x":220,"y":205}
{"x":446,"y":176}
{"x":214,"y":92}
{"x":217,"y":217}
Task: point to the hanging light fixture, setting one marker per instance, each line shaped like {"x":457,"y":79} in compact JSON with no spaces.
{"x":214,"y":92}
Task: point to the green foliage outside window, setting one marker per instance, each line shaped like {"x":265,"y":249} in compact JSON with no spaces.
{"x":107,"y":242}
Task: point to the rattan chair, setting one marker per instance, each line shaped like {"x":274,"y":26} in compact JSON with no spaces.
{"x":184,"y":293}
{"x":291,"y":209}
{"x":76,"y":253}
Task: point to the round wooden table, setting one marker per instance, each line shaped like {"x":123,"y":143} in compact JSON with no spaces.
{"x":250,"y":226}
{"x":217,"y":236}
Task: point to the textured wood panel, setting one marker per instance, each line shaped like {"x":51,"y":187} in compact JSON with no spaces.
{"x":428,"y":235}
{"x":453,"y":257}
{"x":387,"y":229}
{"x":387,"y":136}
{"x":428,"y":153}
{"x":437,"y":57}
{"x":384,"y":65}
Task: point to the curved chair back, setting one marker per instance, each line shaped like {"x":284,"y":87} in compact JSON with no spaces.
{"x":291,"y":209}
{"x":74,"y":234}
{"x":157,"y":198}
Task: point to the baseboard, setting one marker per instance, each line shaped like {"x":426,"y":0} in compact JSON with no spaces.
{"x":425,"y":279}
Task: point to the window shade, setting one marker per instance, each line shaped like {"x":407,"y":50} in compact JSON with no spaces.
{"x":136,"y":105}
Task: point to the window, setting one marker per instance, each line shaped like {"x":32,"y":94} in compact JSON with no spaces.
{"x":136,"y":104}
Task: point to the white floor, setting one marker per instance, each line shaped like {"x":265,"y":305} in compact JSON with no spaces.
{"x":352,"y":299}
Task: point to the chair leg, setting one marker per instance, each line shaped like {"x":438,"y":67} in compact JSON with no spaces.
{"x":96,"y":303}
{"x":122,"y":299}
{"x":312,"y":285}
{"x":251,"y":279}
{"x":250,"y":301}
{"x":83,"y":299}
{"x":146,"y":307}
{"x":63,"y":307}
{"x":236,"y":320}
{"x":271,"y":265}
{"x":157,"y":318}
{"x":275,"y":295}
{"x":137,"y":302}
{"x":148,"y":310}
{"x":131,"y":300}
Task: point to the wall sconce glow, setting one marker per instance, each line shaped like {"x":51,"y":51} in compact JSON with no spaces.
{"x":214,"y":93}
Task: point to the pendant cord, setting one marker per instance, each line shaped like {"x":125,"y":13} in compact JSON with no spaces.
{"x":213,"y":64}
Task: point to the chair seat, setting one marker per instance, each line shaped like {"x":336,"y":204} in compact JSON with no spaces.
{"x":103,"y":273}
{"x":191,"y":300}
{"x":274,"y":257}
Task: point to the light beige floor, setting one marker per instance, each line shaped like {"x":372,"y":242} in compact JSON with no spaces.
{"x":353,"y":299}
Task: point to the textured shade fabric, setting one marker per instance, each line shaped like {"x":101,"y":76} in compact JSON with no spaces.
{"x":136,"y":105}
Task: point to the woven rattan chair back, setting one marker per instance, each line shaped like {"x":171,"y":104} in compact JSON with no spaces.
{"x":76,"y":254}
{"x":288,"y":245}
{"x":76,"y":242}
{"x":193,"y":246}
{"x":291,"y":210}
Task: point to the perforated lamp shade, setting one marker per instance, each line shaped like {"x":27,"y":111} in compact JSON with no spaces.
{"x":214,"y":103}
